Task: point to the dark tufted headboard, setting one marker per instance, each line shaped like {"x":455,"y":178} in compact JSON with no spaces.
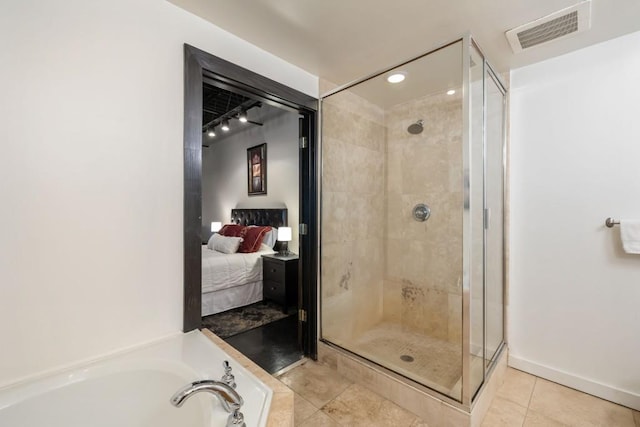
{"x":272,"y":217}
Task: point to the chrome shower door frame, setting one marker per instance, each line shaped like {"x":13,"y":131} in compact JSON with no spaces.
{"x":468,"y":394}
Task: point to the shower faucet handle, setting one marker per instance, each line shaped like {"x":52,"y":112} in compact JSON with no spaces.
{"x":228,"y":377}
{"x":421,"y":212}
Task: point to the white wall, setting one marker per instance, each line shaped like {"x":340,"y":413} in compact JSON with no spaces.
{"x":91,"y":169}
{"x":574,"y":314}
{"x":224,"y":169}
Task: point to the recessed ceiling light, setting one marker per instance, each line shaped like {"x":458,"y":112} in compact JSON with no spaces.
{"x":451,"y":92}
{"x":396,"y":77}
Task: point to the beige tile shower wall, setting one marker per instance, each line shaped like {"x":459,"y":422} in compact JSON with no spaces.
{"x":423,"y":273}
{"x":353,"y":212}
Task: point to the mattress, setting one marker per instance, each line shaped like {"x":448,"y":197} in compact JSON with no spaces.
{"x":222,"y":271}
{"x":226,"y":299}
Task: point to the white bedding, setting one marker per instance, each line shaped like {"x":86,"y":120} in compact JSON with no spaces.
{"x":222,"y":271}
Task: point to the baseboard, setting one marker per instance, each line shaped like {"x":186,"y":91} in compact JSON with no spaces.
{"x":607,"y":392}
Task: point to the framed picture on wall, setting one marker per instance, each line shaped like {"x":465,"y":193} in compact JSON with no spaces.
{"x":257,"y":169}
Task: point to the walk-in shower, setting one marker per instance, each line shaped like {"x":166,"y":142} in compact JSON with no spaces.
{"x":412,"y":220}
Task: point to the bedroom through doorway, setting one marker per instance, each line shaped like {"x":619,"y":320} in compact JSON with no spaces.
{"x":250,"y":211}
{"x":250,"y":239}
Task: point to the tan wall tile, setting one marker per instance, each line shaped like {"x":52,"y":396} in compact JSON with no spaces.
{"x":455,"y":318}
{"x":425,"y":257}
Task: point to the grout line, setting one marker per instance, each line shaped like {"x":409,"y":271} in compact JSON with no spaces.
{"x":533,"y":389}
{"x":526,"y":413}
{"x":301,"y":423}
{"x":329,"y":415}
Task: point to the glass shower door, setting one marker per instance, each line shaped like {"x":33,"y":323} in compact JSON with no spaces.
{"x":494,"y":199}
{"x":391,"y":284}
{"x":486,"y":218}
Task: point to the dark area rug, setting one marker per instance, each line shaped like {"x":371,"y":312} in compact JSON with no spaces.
{"x":241,"y":319}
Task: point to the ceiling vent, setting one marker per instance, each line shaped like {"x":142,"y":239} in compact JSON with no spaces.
{"x":558,"y":25}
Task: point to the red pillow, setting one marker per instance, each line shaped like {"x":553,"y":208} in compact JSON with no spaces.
{"x":231,"y":230}
{"x":252,"y":239}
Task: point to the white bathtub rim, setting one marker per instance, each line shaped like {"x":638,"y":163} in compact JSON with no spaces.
{"x":130,"y":359}
{"x":78,"y":364}
{"x":15,"y":395}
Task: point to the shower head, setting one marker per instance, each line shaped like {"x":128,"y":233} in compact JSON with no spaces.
{"x":416,"y":128}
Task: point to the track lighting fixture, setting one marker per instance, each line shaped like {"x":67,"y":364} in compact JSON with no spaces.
{"x":242,"y":116}
{"x":211,"y":131}
{"x":225,"y":125}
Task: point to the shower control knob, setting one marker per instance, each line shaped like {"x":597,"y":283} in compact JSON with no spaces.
{"x":228,"y":377}
{"x":421,"y":212}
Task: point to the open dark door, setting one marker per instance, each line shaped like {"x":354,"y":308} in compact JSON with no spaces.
{"x":199,"y":66}
{"x":307,"y":284}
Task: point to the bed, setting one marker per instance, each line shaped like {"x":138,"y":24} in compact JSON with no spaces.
{"x":235,"y":280}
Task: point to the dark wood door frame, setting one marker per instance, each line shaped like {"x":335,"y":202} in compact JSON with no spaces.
{"x":198,"y":67}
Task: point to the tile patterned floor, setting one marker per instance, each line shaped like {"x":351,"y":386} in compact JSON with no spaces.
{"x":525,"y":400}
{"x":324,"y":399}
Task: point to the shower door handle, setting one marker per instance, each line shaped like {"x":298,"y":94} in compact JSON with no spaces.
{"x":487,"y":218}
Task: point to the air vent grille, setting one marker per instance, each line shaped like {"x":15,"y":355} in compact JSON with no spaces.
{"x":548,"y":31}
{"x":557,"y":25}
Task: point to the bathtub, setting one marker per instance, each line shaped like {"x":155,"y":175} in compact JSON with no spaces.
{"x":133,"y":389}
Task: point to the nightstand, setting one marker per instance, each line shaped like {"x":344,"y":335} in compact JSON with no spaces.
{"x":280,"y":279}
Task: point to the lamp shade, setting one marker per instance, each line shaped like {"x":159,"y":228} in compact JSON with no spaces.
{"x":284,"y":234}
{"x":216,"y":226}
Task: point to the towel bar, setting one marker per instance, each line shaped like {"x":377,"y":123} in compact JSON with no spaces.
{"x":610,"y":222}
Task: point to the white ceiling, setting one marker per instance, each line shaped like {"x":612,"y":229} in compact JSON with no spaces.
{"x":432,"y":74}
{"x":344,"y":40}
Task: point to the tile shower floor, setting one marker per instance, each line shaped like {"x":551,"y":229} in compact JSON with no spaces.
{"x":433,"y":362}
{"x":323,"y":398}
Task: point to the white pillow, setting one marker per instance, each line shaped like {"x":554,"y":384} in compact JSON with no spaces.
{"x":265,"y":248}
{"x":210,"y":241}
{"x":271,"y":237}
{"x":224,"y":244}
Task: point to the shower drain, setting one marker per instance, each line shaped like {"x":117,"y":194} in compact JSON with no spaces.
{"x":406,"y":358}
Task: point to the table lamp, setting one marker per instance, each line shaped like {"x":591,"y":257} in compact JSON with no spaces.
{"x":284,"y":236}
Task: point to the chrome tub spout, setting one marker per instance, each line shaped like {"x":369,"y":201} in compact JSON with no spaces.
{"x":228,"y":397}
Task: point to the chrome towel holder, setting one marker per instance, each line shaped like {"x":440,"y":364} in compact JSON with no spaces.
{"x":610,"y":222}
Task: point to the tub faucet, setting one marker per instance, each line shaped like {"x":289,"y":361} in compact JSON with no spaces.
{"x":228,"y":377}
{"x":228,"y":397}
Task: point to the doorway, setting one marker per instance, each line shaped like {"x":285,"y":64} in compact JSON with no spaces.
{"x":205,"y":73}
